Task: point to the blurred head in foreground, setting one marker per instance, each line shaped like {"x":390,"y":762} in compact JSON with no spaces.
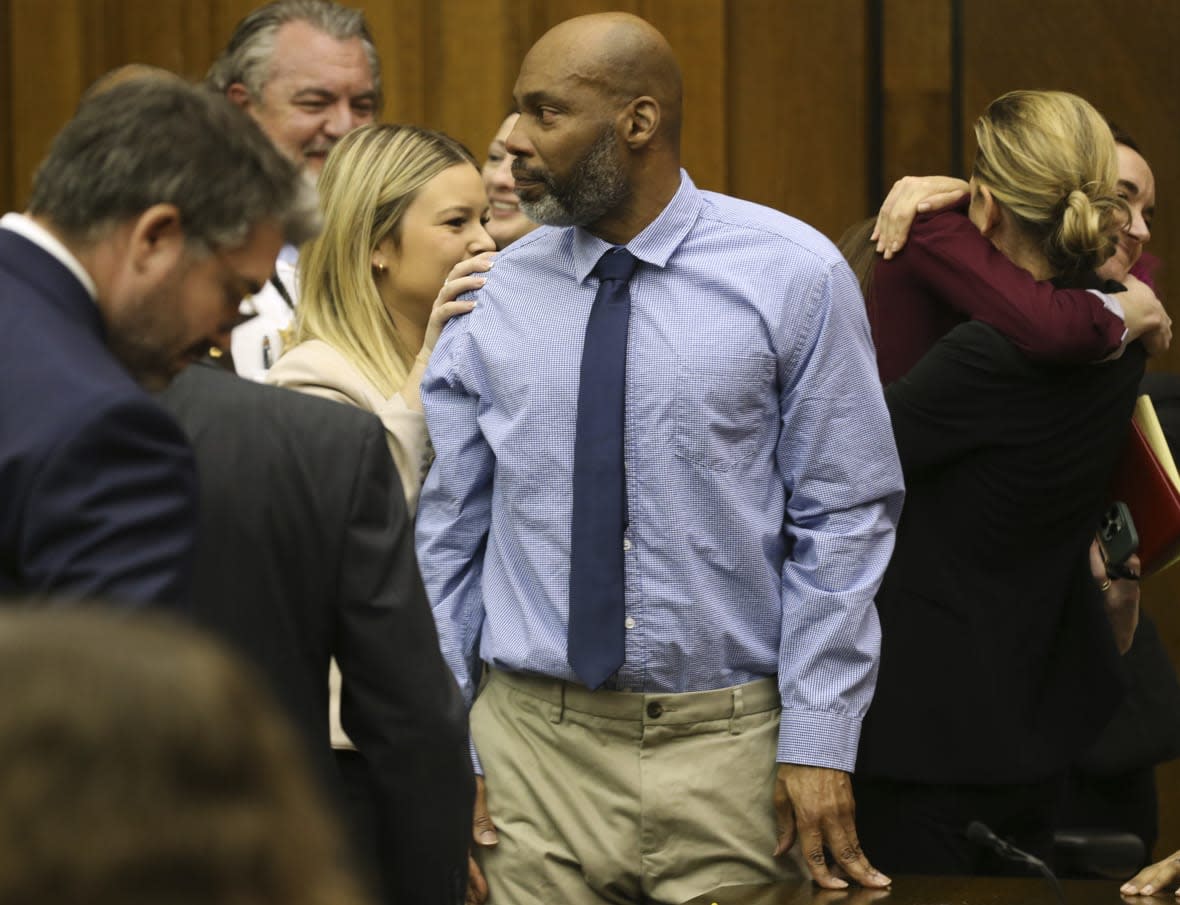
{"x":141,"y":764}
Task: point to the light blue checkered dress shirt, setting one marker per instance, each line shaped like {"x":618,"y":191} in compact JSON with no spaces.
{"x":763,"y":484}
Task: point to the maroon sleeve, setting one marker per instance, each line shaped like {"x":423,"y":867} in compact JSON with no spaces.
{"x":1146,"y":269}
{"x":959,"y":266}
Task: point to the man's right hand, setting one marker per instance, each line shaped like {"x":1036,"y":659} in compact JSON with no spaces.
{"x":1156,"y":879}
{"x":1145,"y":317}
{"x":483,"y":832}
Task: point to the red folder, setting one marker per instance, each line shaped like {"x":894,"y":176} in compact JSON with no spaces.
{"x":1147,"y":481}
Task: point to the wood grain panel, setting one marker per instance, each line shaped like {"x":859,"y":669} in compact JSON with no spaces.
{"x":548,"y":13}
{"x":1122,"y":58}
{"x":138,"y":31}
{"x":476,"y":68}
{"x":49,"y":63}
{"x":697,"y":31}
{"x":397,"y":32}
{"x":796,"y":117}
{"x":222,"y":18}
{"x":7,"y":199}
{"x":916,"y":89}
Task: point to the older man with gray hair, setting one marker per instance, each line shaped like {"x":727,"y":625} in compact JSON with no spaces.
{"x":156,"y":210}
{"x":308,"y":72}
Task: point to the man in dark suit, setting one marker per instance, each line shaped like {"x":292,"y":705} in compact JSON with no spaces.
{"x":305,"y":552}
{"x":157,"y":208}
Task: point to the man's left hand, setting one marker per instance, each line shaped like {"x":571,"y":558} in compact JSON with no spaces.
{"x":815,"y":807}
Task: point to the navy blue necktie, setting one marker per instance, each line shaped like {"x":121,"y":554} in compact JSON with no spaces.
{"x":595,"y":640}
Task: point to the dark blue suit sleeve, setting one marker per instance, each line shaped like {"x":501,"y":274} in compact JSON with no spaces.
{"x":112,"y":512}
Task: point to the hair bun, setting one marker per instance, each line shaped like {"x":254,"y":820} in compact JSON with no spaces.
{"x":1086,"y":235}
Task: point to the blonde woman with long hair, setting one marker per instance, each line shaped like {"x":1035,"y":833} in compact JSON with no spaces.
{"x":404,"y":212}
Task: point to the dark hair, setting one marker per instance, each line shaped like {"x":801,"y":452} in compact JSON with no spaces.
{"x":152,"y":140}
{"x":861,"y":255}
{"x":247,"y":57}
{"x":141,"y":765}
{"x":1123,"y":138}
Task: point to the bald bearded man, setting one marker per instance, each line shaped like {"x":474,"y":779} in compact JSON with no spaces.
{"x":664,"y":494}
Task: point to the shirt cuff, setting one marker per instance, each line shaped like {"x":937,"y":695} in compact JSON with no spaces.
{"x":1115,"y":307}
{"x":475,"y":764}
{"x":818,"y":739}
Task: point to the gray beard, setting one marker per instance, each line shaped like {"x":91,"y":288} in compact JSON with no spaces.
{"x":596,"y":186}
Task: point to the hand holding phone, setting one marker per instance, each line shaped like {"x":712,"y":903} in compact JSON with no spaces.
{"x":1118,"y":540}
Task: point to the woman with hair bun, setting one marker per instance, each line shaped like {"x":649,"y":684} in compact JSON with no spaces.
{"x":997,"y":661}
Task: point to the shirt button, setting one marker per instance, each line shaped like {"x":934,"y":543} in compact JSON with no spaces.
{"x":626,"y":544}
{"x":629,"y":622}
{"x":655,"y":709}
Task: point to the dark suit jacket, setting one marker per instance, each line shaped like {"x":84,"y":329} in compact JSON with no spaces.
{"x":997,"y":662}
{"x":306,"y":552}
{"x":97,"y":487}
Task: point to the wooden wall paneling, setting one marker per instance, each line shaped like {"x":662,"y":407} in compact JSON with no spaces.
{"x":198,"y":42}
{"x":549,"y":12}
{"x":48,"y":54}
{"x":217,"y":19}
{"x":697,"y":31}
{"x":796,"y":108}
{"x":132,"y":31}
{"x":7,"y":195}
{"x":398,"y":31}
{"x":477,"y":53}
{"x":915,"y":90}
{"x":1123,"y":59}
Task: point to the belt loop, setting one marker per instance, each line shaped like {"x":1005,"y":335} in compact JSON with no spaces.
{"x":558,"y":709}
{"x":737,"y":711}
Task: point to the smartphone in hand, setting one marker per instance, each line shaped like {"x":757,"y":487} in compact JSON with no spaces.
{"x":1118,"y":539}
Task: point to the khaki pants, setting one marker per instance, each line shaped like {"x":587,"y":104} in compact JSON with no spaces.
{"x":609,"y":796}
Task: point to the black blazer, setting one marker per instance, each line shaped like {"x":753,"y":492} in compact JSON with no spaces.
{"x":306,"y":552}
{"x":97,"y":485}
{"x":997,"y":662}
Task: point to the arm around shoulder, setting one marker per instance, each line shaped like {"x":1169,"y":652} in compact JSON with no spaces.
{"x":967,"y":273}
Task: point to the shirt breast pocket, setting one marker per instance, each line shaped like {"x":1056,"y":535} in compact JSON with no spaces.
{"x":725,"y":406}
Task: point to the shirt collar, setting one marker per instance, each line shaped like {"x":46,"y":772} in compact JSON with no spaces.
{"x":658,"y":240}
{"x":289,"y":254}
{"x":42,"y":238}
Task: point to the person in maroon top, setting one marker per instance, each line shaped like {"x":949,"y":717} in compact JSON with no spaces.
{"x":1095,"y":796}
{"x":993,"y":633}
{"x":962,"y":276}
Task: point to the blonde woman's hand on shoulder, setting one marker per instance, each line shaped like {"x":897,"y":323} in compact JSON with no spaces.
{"x":466,"y":276}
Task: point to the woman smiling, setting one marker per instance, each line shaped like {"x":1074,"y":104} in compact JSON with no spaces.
{"x":404,"y":212}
